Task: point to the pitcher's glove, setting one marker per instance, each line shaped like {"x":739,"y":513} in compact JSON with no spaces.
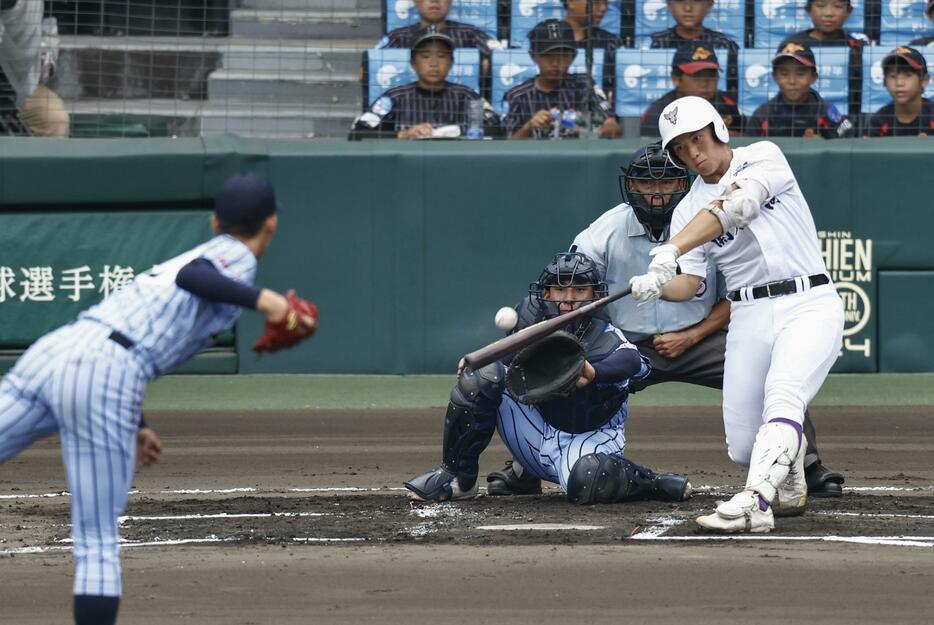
{"x":291,"y":330}
{"x":547,"y":369}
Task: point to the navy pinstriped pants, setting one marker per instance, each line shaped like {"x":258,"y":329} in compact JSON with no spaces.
{"x":549,"y":453}
{"x":89,"y":389}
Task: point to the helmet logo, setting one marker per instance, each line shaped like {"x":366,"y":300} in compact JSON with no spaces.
{"x":672,"y":116}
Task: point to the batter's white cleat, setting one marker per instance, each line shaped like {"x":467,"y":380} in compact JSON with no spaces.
{"x":792,"y":496}
{"x":742,"y":513}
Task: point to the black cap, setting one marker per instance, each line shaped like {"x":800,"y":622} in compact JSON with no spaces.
{"x":911,"y":57}
{"x":797,"y":51}
{"x":432,"y":33}
{"x":691,"y":59}
{"x":551,"y":35}
{"x":245,"y":198}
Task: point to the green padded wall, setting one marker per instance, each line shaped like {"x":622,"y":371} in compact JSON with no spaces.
{"x":409,"y":248}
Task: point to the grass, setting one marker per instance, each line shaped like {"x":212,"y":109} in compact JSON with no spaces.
{"x":298,"y":392}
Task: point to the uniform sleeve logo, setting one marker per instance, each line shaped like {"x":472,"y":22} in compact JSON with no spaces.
{"x":672,"y":116}
{"x":700,"y":54}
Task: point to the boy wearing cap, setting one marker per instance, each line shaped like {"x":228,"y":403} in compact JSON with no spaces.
{"x":86,"y":380}
{"x":828,"y":17}
{"x":695,"y":72}
{"x":434,"y":13}
{"x":797,"y":110}
{"x":908,"y":114}
{"x":419,"y":109}
{"x":928,"y":39}
{"x":689,"y":30}
{"x":599,"y":38}
{"x":550,"y":105}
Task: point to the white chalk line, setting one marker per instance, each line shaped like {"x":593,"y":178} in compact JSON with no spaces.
{"x":219,"y":515}
{"x":219,"y":491}
{"x":875,"y":515}
{"x":898,"y":541}
{"x":709,"y":489}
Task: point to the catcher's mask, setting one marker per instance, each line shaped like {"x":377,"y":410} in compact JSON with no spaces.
{"x":568,"y":269}
{"x":653,"y":210}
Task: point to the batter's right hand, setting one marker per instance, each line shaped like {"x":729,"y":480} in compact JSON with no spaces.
{"x":645,"y":287}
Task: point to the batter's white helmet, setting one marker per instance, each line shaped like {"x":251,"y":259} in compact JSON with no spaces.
{"x":690,"y":114}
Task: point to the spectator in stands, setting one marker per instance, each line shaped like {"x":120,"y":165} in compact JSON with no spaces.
{"x":689,"y":29}
{"x":929,"y":39}
{"x":797,"y":110}
{"x":434,"y":12}
{"x":828,"y":17}
{"x":908,"y":114}
{"x":26,"y":106}
{"x":552,"y":104}
{"x":600,"y":39}
{"x":429,"y":107}
{"x":695,"y":70}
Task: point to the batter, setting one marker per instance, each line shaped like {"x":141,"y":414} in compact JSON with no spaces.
{"x":746,"y":214}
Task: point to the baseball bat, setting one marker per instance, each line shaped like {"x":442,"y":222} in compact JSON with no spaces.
{"x":514,"y":342}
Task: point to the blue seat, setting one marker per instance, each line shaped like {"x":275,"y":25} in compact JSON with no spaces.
{"x":479,"y":13}
{"x":525,"y":14}
{"x":511,"y":68}
{"x":875,"y":96}
{"x":776,"y":19}
{"x":727,"y":16}
{"x":390,"y":68}
{"x":902,"y":21}
{"x":756,"y":85}
{"x":643,"y":76}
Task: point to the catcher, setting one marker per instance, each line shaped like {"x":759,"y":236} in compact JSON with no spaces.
{"x":560,"y":404}
{"x":86,"y":380}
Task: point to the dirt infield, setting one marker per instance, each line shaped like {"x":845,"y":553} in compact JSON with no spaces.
{"x":299,"y":517}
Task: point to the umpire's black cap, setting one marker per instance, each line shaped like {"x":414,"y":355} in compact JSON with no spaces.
{"x":245,"y":198}
{"x":551,"y":35}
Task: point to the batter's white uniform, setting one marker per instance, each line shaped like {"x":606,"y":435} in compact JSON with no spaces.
{"x":779,"y":350}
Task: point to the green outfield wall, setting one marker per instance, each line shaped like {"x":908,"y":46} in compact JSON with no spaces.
{"x":409,"y":248}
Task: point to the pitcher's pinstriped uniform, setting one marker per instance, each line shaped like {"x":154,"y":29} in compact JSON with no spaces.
{"x":87,"y":380}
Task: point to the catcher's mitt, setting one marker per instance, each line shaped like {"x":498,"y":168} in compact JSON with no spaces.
{"x":290,"y":330}
{"x":547,"y":369}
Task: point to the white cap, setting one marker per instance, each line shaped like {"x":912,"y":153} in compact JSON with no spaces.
{"x":690,"y":114}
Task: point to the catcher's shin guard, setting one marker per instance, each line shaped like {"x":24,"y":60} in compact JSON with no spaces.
{"x":774,"y":454}
{"x":602,"y":478}
{"x":470,"y":421}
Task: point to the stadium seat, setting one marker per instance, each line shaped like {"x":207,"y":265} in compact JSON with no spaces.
{"x":727,"y":16}
{"x":643,"y":76}
{"x":479,"y":13}
{"x":902,"y":21}
{"x":525,"y":14}
{"x":875,"y":95}
{"x":756,"y":85}
{"x":776,"y":19}
{"x":513,"y":67}
{"x":390,"y":68}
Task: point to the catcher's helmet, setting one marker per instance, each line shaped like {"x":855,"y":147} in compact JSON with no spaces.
{"x":571,"y":268}
{"x":652,"y":210}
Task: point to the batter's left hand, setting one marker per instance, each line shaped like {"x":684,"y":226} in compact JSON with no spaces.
{"x":673,"y":344}
{"x":587,"y":375}
{"x":148,"y":447}
{"x":664,"y":262}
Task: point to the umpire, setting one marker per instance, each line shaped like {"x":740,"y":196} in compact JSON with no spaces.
{"x":684,"y":342}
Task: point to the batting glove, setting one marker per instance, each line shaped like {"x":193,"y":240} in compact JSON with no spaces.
{"x":664,"y":262}
{"x":645,"y":287}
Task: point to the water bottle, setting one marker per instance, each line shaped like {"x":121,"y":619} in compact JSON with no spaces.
{"x":569,"y":123}
{"x":475,"y":119}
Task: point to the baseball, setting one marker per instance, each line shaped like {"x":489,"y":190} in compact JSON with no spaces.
{"x":506,"y":318}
